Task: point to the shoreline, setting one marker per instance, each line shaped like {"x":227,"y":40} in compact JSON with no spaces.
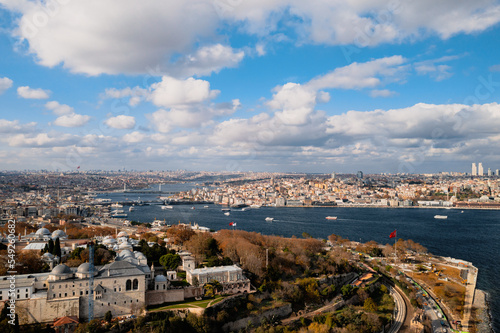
{"x":484,"y":322}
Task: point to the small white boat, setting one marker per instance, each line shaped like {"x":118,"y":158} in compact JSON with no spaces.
{"x":331,"y":217}
{"x":225,"y":209}
{"x":193,"y":207}
{"x":269,"y":219}
{"x":131,"y":209}
{"x":255,"y":206}
{"x":440,"y":217}
{"x":227,"y":213}
{"x":461,"y":211}
{"x":205,"y":206}
{"x":167,"y":207}
{"x":245,"y":209}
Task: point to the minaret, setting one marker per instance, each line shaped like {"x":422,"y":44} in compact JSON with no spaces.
{"x":152,"y":271}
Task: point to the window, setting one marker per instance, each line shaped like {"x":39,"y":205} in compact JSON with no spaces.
{"x":114,"y":289}
{"x":26,"y":289}
{"x":128,"y":285}
{"x":59,"y":286}
{"x":26,"y":295}
{"x":81,"y":293}
{"x":135,"y":284}
{"x":65,"y":294}
{"x":73,"y":293}
{"x":53,"y":295}
{"x":59,"y":294}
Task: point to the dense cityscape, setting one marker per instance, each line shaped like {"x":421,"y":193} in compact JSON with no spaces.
{"x":60,"y":216}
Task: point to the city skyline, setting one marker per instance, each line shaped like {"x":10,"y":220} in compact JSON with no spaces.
{"x":278,"y":86}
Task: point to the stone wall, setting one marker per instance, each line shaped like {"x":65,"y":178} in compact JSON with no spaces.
{"x":279,"y":312}
{"x":155,"y":297}
{"x":190,"y":292}
{"x":41,"y":310}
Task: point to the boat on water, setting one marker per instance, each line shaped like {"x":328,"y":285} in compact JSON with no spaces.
{"x":131,"y":209}
{"x":245,"y":209}
{"x":331,"y":217}
{"x":193,"y":207}
{"x":119,"y":214}
{"x":116,"y":205}
{"x":225,"y":209}
{"x":440,"y":217}
{"x":227,"y":213}
{"x":255,"y":206}
{"x":269,"y":219}
{"x":167,"y":207}
{"x":205,"y":206}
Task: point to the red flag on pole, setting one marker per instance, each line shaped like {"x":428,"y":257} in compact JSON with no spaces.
{"x":393,"y":234}
{"x":231,"y":223}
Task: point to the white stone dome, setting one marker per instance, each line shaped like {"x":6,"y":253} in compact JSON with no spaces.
{"x":122,"y":234}
{"x":59,"y":234}
{"x":61,"y":269}
{"x":43,"y":232}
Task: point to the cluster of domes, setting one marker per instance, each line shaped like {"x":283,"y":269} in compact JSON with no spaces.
{"x":45,"y":233}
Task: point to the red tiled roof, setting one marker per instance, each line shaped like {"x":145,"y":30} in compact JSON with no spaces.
{"x":65,"y":320}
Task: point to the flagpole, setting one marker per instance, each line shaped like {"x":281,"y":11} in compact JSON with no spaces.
{"x":395,"y":252}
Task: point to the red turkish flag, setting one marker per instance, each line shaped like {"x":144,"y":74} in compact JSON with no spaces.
{"x":393,"y":234}
{"x":231,"y":223}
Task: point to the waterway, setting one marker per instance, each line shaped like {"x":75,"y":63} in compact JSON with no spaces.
{"x":471,"y":235}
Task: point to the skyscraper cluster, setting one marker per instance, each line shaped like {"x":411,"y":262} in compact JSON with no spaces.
{"x":477,"y":170}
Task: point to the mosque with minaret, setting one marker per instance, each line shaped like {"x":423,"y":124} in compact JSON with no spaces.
{"x":125,"y":286}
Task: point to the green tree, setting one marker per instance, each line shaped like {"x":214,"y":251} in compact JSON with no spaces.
{"x":170,"y":261}
{"x":57,"y":248}
{"x":370,"y":305}
{"x":51,"y":246}
{"x":108,"y":316}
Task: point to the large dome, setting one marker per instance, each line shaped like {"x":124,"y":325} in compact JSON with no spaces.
{"x":84,"y":268}
{"x":58,"y":234}
{"x":122,"y":234}
{"x":61,"y":270}
{"x":43,"y":232}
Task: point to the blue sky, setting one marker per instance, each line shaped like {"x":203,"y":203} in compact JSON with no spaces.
{"x":278,"y":85}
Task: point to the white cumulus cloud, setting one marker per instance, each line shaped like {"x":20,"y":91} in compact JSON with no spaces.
{"x":172,"y":92}
{"x":121,"y":122}
{"x":59,"y":109}
{"x":72,"y":120}
{"x":29,"y":93}
{"x":5,"y":83}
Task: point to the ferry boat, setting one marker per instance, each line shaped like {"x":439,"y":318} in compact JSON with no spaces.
{"x":167,"y":207}
{"x":331,"y":217}
{"x":205,"y":206}
{"x":118,"y":214}
{"x":269,"y":219}
{"x":255,"y":206}
{"x":227,"y":213}
{"x":440,"y":217}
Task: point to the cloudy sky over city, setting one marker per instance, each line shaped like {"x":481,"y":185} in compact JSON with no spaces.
{"x":238,"y":85}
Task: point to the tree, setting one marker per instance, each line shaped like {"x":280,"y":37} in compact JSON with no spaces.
{"x":170,"y":261}
{"x":51,"y":246}
{"x":57,"y":248}
{"x":108,"y":316}
{"x":370,"y":305}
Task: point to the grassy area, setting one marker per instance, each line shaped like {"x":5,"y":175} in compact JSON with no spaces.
{"x":190,"y":304}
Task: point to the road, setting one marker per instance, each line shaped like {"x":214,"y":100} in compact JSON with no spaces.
{"x":434,"y":314}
